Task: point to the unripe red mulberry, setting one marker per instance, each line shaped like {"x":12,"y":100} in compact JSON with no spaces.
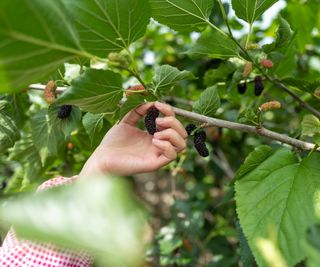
{"x":64,"y":111}
{"x":150,"y":120}
{"x":242,"y":88}
{"x":50,"y":92}
{"x":266,"y":63}
{"x":136,"y":89}
{"x":270,"y":105}
{"x":258,"y":85}
{"x":247,"y":69}
{"x":190,"y":128}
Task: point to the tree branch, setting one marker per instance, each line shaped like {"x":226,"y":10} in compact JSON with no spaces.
{"x":213,"y":122}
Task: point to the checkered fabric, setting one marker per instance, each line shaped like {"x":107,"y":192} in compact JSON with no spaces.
{"x":23,"y":253}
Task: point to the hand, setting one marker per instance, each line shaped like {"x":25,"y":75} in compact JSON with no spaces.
{"x":127,"y":150}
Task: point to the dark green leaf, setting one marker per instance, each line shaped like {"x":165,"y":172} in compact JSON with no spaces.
{"x":250,"y":10}
{"x":208,"y":103}
{"x":167,"y":76}
{"x":214,"y":44}
{"x":96,"y":91}
{"x":187,"y":15}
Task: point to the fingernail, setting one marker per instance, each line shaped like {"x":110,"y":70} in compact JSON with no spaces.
{"x":157,"y":141}
{"x":156,"y":135}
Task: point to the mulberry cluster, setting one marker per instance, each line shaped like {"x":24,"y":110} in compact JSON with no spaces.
{"x":150,"y":120}
{"x":190,"y":128}
{"x":258,"y":85}
{"x":64,"y":111}
{"x":242,"y":88}
{"x":200,"y":143}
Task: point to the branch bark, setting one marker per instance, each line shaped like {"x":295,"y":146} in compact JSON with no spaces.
{"x":213,"y":122}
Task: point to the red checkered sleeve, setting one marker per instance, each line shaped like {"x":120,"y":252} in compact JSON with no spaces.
{"x":17,"y":252}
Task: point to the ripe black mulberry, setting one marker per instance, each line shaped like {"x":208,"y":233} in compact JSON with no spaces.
{"x":190,"y":128}
{"x":150,"y":120}
{"x":200,"y":145}
{"x":258,"y":85}
{"x":64,"y":111}
{"x":242,"y":88}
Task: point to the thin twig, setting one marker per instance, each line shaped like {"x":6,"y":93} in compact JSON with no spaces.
{"x":213,"y":122}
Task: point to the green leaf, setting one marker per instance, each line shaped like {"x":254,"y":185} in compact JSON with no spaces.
{"x":250,"y":10}
{"x":9,"y":133}
{"x":214,"y":44}
{"x":66,"y":125}
{"x":245,"y":252}
{"x":96,"y":91}
{"x":65,"y":29}
{"x":109,"y":25}
{"x":284,"y":36}
{"x":35,"y":39}
{"x":187,"y":15}
{"x":219,"y":74}
{"x":45,"y":137}
{"x":99,"y":215}
{"x":310,"y":125}
{"x":167,"y":76}
{"x":311,"y":246}
{"x":279,"y":193}
{"x":96,"y":127}
{"x":254,"y":159}
{"x":303,"y":85}
{"x":208,"y":103}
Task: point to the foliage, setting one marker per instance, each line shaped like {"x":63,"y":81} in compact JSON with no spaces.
{"x":252,"y":194}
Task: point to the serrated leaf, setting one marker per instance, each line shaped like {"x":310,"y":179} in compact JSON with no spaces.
{"x":279,"y":193}
{"x":66,"y":125}
{"x":96,"y":127}
{"x":45,"y":138}
{"x":9,"y":133}
{"x":96,"y":91}
{"x":167,"y":76}
{"x":250,"y":10}
{"x":75,"y":216}
{"x":214,"y":44}
{"x":245,"y":251}
{"x":310,"y":125}
{"x":109,"y":25}
{"x":208,"y":103}
{"x":253,"y":160}
{"x":187,"y":15}
{"x":303,"y":85}
{"x":65,"y":30}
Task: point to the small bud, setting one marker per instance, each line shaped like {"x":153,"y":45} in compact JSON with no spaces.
{"x":270,"y":106}
{"x":50,"y":92}
{"x":247,"y":69}
{"x":118,"y":59}
{"x":266,"y":63}
{"x":317,"y":92}
{"x":252,"y":47}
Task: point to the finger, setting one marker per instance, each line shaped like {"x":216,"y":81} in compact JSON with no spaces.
{"x":174,"y":123}
{"x":136,"y":114}
{"x":165,"y":109}
{"x":167,"y":149}
{"x":173,"y":137}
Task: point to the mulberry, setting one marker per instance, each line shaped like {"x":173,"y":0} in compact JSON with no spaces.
{"x":64,"y":111}
{"x":242,"y":88}
{"x":200,"y":145}
{"x":266,"y":63}
{"x":150,"y":120}
{"x":139,"y":88}
{"x":258,"y":86}
{"x":50,"y":92}
{"x":190,"y":128}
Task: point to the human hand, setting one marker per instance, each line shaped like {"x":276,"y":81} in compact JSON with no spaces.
{"x":127,"y":150}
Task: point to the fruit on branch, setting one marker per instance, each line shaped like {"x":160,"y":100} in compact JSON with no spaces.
{"x":190,"y":128}
{"x":150,"y":120}
{"x":136,"y":89}
{"x":270,"y":105}
{"x":50,"y":92}
{"x":64,"y":111}
{"x":200,"y":143}
{"x":117,"y":59}
{"x":247,"y":69}
{"x":266,"y":63}
{"x":242,"y":88}
{"x":258,"y":85}
{"x":317,"y":92}
{"x":70,"y":146}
